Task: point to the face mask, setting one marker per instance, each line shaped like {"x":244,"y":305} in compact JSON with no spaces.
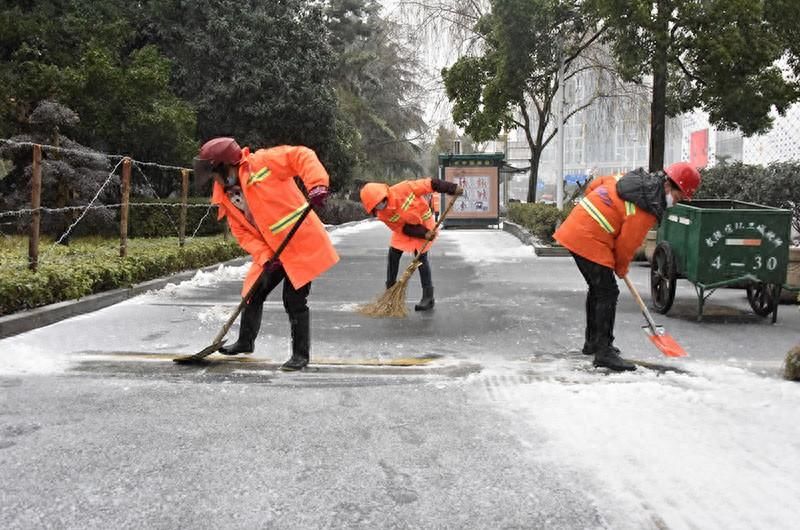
{"x":670,"y":200}
{"x":381,"y":205}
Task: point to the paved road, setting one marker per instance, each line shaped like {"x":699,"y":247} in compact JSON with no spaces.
{"x":99,"y":429}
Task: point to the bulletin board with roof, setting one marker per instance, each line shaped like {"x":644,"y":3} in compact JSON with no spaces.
{"x":478,"y":174}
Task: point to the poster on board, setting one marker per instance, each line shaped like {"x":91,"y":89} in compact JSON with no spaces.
{"x":480,"y":199}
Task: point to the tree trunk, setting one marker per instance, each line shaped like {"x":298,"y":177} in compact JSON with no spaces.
{"x":658,"y":106}
{"x":534,"y":180}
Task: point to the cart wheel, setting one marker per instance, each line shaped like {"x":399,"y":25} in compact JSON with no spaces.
{"x":762,"y":298}
{"x":663,"y":277}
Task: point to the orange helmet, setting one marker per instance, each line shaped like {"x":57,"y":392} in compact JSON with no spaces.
{"x":685,"y":176}
{"x":373,"y":193}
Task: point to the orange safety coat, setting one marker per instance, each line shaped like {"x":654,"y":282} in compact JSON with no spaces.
{"x":604,"y":228}
{"x":436,"y":200}
{"x":275,"y":202}
{"x":406,"y":205}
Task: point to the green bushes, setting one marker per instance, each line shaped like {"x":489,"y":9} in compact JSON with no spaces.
{"x":538,"y":218}
{"x":777,"y":184}
{"x":151,"y":219}
{"x":93,"y":265}
{"x":338,"y":211}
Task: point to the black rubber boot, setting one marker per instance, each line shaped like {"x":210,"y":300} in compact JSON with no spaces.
{"x":609,"y":358}
{"x":427,"y":300}
{"x":301,"y":342}
{"x":590,"y":342}
{"x":248,"y":331}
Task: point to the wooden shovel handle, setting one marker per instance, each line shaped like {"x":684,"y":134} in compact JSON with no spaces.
{"x":642,"y":306}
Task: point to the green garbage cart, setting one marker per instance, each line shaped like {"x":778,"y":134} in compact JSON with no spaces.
{"x":721,"y":243}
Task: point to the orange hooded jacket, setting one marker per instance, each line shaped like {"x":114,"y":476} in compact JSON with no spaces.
{"x":604,"y":228}
{"x":406,"y":204}
{"x":275,"y":202}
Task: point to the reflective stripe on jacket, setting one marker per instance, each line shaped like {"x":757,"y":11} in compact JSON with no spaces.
{"x":406,"y":205}
{"x":275,"y":201}
{"x":604,"y":228}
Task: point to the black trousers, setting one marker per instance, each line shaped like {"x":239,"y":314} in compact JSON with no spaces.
{"x":393,"y":265}
{"x":601,"y":304}
{"x":295,"y":302}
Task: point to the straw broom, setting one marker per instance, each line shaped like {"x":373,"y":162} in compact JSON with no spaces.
{"x":392,"y":303}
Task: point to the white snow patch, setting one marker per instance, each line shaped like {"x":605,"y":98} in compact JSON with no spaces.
{"x":27,"y":355}
{"x":337,"y":234}
{"x":214,"y":314}
{"x":718,"y":448}
{"x":222,"y":273}
{"x":475,"y":247}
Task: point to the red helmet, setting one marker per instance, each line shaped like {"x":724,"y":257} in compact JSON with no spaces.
{"x":372,"y":193}
{"x":213,"y":153}
{"x":685,"y":176}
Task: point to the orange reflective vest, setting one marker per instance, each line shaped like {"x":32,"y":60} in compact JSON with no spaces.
{"x":275,"y":201}
{"x":406,"y":205}
{"x":604,"y":228}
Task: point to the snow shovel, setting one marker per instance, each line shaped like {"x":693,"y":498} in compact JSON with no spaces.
{"x":219,"y":339}
{"x":657,"y":334}
{"x":392,"y":303}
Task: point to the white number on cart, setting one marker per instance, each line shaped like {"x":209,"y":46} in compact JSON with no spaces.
{"x":772,"y":263}
{"x":717,"y":263}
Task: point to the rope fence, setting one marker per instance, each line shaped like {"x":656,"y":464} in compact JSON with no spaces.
{"x":123,"y":166}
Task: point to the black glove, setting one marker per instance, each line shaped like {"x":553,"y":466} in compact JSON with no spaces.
{"x":417,"y":231}
{"x":442,"y":186}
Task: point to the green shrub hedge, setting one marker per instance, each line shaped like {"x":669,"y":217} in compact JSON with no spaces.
{"x":93,"y":265}
{"x":538,"y":218}
{"x":777,"y":184}
{"x":338,"y":211}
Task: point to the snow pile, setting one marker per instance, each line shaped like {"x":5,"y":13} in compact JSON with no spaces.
{"x":211,"y":278}
{"x":338,"y":233}
{"x":475,"y":247}
{"x":717,"y":448}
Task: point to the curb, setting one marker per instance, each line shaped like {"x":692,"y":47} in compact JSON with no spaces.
{"x":527,"y":238}
{"x":23,"y":321}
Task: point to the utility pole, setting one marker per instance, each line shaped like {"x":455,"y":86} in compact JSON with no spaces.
{"x":561,"y":131}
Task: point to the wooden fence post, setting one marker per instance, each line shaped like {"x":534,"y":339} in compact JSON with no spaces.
{"x":184,"y":206}
{"x":123,"y":213}
{"x":36,"y":215}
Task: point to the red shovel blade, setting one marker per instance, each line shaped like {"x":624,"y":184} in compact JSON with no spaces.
{"x":667,"y":345}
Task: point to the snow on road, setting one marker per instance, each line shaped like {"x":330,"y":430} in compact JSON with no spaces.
{"x":718,"y":447}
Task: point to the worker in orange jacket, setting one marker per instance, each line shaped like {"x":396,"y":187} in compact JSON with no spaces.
{"x":603,"y":232}
{"x":404,"y":209}
{"x":257,"y":194}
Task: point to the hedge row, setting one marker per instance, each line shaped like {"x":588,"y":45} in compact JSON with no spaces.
{"x":93,"y":265}
{"x":538,"y":218}
{"x":777,"y":184}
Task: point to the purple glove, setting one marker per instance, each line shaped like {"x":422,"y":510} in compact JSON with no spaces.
{"x":272,"y":266}
{"x":318,"y":196}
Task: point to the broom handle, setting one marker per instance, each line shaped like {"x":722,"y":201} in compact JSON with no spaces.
{"x":643,"y":307}
{"x":275,"y":257}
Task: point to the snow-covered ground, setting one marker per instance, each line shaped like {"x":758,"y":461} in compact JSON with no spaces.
{"x":718,"y":447}
{"x":711,"y":445}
